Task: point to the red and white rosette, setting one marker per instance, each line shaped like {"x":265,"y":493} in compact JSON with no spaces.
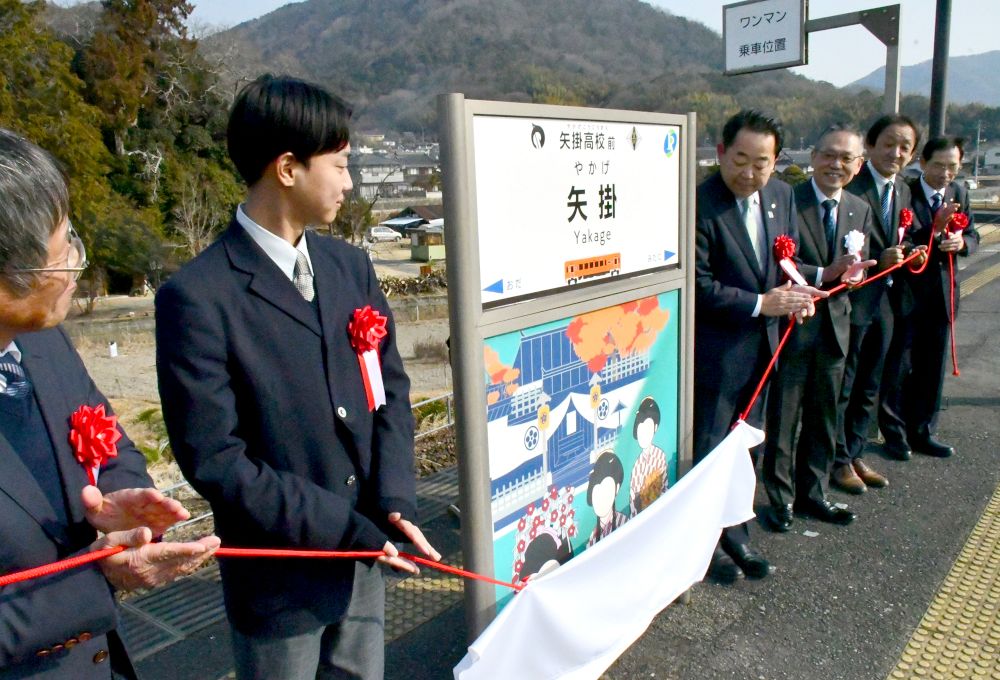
{"x":366,"y":330}
{"x":784,"y":251}
{"x":905,"y":222}
{"x":94,"y":437}
{"x":957,"y":222}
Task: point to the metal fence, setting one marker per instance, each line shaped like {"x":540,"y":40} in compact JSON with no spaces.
{"x":183,"y":490}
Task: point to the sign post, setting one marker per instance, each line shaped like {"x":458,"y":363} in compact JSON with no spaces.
{"x":570,"y":242}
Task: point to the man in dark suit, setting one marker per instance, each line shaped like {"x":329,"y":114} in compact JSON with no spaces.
{"x":807,"y":387}
{"x":62,"y":626}
{"x":890,"y":143}
{"x":738,"y":300}
{"x":914,"y":398}
{"x":265,"y":403}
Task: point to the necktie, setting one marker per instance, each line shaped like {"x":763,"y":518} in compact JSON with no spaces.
{"x":302,"y":277}
{"x":887,"y":206}
{"x":830,"y":225}
{"x":13,"y":380}
{"x":750,"y":221}
{"x":935,"y":203}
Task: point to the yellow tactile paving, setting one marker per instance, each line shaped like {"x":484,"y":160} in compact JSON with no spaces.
{"x":959,"y":636}
{"x":974,"y":283}
{"x":411,"y":602}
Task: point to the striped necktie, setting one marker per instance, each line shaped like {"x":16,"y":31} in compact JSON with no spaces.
{"x":887,"y":206}
{"x":830,"y":226}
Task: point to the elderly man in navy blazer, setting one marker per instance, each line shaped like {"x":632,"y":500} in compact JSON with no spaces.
{"x":266,"y":405}
{"x":63,"y":625}
{"x":806,"y":389}
{"x":738,"y":299}
{"x":915,"y":402}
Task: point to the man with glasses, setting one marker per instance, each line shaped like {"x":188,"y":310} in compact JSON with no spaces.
{"x":738,"y":300}
{"x":923,"y":334}
{"x":889,"y":144}
{"x":806,"y":387}
{"x":62,"y":626}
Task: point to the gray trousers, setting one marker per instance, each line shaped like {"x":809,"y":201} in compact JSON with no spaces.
{"x":352,"y":648}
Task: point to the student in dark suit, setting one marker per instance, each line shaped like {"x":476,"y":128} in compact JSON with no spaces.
{"x":738,"y":299}
{"x":807,"y":387}
{"x":265,"y":403}
{"x":914,"y":398}
{"x":890,"y":143}
{"x":62,"y":626}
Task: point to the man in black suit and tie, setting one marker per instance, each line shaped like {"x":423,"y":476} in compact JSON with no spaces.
{"x":266,"y":405}
{"x":890,"y":143}
{"x":807,"y":387}
{"x":51,"y":506}
{"x":914,"y":399}
{"x":738,"y":299}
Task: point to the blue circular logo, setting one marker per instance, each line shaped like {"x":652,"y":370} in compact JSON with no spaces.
{"x":670,"y":143}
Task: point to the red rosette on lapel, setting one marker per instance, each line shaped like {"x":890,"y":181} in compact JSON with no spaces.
{"x":784,"y":251}
{"x":957,"y":222}
{"x":94,"y":437}
{"x":366,"y":330}
{"x":905,"y":222}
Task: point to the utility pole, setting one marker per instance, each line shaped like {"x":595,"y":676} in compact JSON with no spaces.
{"x":939,"y":71}
{"x":975,"y":164}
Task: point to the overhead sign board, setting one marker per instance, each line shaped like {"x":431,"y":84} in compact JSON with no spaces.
{"x":760,"y":35}
{"x":561,"y":203}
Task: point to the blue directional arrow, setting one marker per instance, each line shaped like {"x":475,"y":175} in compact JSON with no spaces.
{"x":667,"y":255}
{"x":494,"y":287}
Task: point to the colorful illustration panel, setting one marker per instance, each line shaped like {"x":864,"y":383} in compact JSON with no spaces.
{"x":582,"y":424}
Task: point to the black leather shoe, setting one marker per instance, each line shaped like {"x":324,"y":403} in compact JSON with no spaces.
{"x":897,"y":451}
{"x":723,"y":569}
{"x":932,"y":447}
{"x":825,"y":511}
{"x":750,"y":561}
{"x":781,"y":518}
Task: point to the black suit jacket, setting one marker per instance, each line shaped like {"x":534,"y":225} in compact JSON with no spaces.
{"x":931,"y":287}
{"x":267,"y":415}
{"x":833,"y":315}
{"x":865,"y":301}
{"x":729,"y":341}
{"x":36,"y":615}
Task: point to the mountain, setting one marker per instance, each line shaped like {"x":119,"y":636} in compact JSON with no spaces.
{"x":391,"y":58}
{"x":971,"y":79}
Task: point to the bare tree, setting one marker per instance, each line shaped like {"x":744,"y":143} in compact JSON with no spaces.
{"x":197,"y":214}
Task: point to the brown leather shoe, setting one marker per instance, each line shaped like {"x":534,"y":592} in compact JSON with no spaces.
{"x":869,"y":476}
{"x":847,"y":480}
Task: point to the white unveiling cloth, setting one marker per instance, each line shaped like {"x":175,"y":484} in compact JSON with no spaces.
{"x":575,"y":621}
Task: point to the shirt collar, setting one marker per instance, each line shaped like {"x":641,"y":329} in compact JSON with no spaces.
{"x":880,"y":181}
{"x":929,"y":191}
{"x":820,"y":196}
{"x":278,"y":250}
{"x":12,"y":350}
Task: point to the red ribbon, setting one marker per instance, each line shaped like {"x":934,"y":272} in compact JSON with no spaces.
{"x":94,"y":437}
{"x":366,"y":329}
{"x":784,"y":247}
{"x":87,"y":558}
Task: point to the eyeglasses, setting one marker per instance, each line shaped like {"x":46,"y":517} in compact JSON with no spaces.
{"x":830,"y":157}
{"x":76,"y":258}
{"x":949,"y":167}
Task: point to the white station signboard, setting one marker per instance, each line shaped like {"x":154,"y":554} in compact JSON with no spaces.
{"x":566,"y":202}
{"x":760,"y":35}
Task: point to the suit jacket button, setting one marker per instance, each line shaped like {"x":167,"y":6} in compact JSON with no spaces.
{"x":71,"y":643}
{"x":42,"y":653}
{"x":342,"y":412}
{"x":57,"y":648}
{"x":84,"y":637}
{"x":101,"y":656}
{"x":350,"y":480}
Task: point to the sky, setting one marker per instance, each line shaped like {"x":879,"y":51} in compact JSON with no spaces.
{"x":839,"y":56}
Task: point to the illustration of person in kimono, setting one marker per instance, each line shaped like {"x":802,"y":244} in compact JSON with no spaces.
{"x":649,"y":475}
{"x":605,"y":481}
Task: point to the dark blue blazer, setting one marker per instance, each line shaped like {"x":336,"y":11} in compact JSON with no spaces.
{"x":866,"y":301}
{"x":833,"y":315}
{"x":931,"y":288}
{"x":267,"y":415}
{"x":75,"y":608}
